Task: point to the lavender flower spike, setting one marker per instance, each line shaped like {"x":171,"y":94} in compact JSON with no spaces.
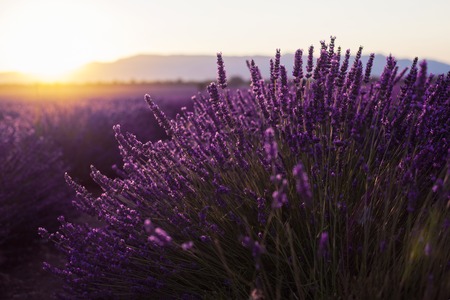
{"x":270,"y":145}
{"x":310,"y":64}
{"x":302,"y":183}
{"x":298,"y":66}
{"x":159,"y":115}
{"x":160,"y":237}
{"x":369,"y":68}
{"x":221,"y":75}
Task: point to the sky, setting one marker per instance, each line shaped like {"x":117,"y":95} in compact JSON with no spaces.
{"x":51,"y":37}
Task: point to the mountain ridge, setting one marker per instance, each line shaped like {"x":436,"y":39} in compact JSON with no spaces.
{"x":154,"y":67}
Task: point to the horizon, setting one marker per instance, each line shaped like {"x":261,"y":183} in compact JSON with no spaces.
{"x":170,"y":68}
{"x":48,"y":38}
{"x":54,"y":77}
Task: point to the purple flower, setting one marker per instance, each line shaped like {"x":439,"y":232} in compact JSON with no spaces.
{"x":302,"y":183}
{"x":246,"y":242}
{"x":310,"y":64}
{"x":256,"y":248}
{"x":270,"y":146}
{"x":298,"y":66}
{"x":187,"y":245}
{"x":159,"y":115}
{"x":160,"y":237}
{"x":205,"y":238}
{"x":369,"y":68}
{"x":262,"y":218}
{"x":279,"y":197}
{"x":148,"y":226}
{"x":221,"y":75}
{"x":275,"y":67}
{"x":438,"y":185}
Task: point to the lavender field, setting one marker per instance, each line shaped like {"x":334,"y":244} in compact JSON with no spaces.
{"x":40,"y":141}
{"x":320,"y":183}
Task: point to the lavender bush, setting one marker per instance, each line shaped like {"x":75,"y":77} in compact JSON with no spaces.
{"x":326,"y":184}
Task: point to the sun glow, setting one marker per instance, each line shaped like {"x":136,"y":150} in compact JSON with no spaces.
{"x":47,"y":38}
{"x":50,"y":38}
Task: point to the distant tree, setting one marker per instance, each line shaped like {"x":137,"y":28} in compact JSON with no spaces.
{"x":237,"y":81}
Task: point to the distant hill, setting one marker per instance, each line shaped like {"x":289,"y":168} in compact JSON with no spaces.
{"x":189,"y":68}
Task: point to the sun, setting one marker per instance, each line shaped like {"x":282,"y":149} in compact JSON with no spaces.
{"x":48,"y":40}
{"x":48,"y":62}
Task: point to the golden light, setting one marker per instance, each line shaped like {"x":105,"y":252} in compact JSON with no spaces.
{"x":50,"y":38}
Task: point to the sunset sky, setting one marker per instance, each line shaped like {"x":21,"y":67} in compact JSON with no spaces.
{"x":50,"y":37}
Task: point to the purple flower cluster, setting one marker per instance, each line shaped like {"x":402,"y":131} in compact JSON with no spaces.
{"x":330,"y":156}
{"x":157,"y":235}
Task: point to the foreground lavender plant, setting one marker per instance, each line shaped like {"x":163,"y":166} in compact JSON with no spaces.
{"x":331,"y":185}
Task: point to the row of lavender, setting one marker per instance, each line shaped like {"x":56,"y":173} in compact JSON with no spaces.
{"x":30,"y":181}
{"x":41,"y":141}
{"x":327,"y":184}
